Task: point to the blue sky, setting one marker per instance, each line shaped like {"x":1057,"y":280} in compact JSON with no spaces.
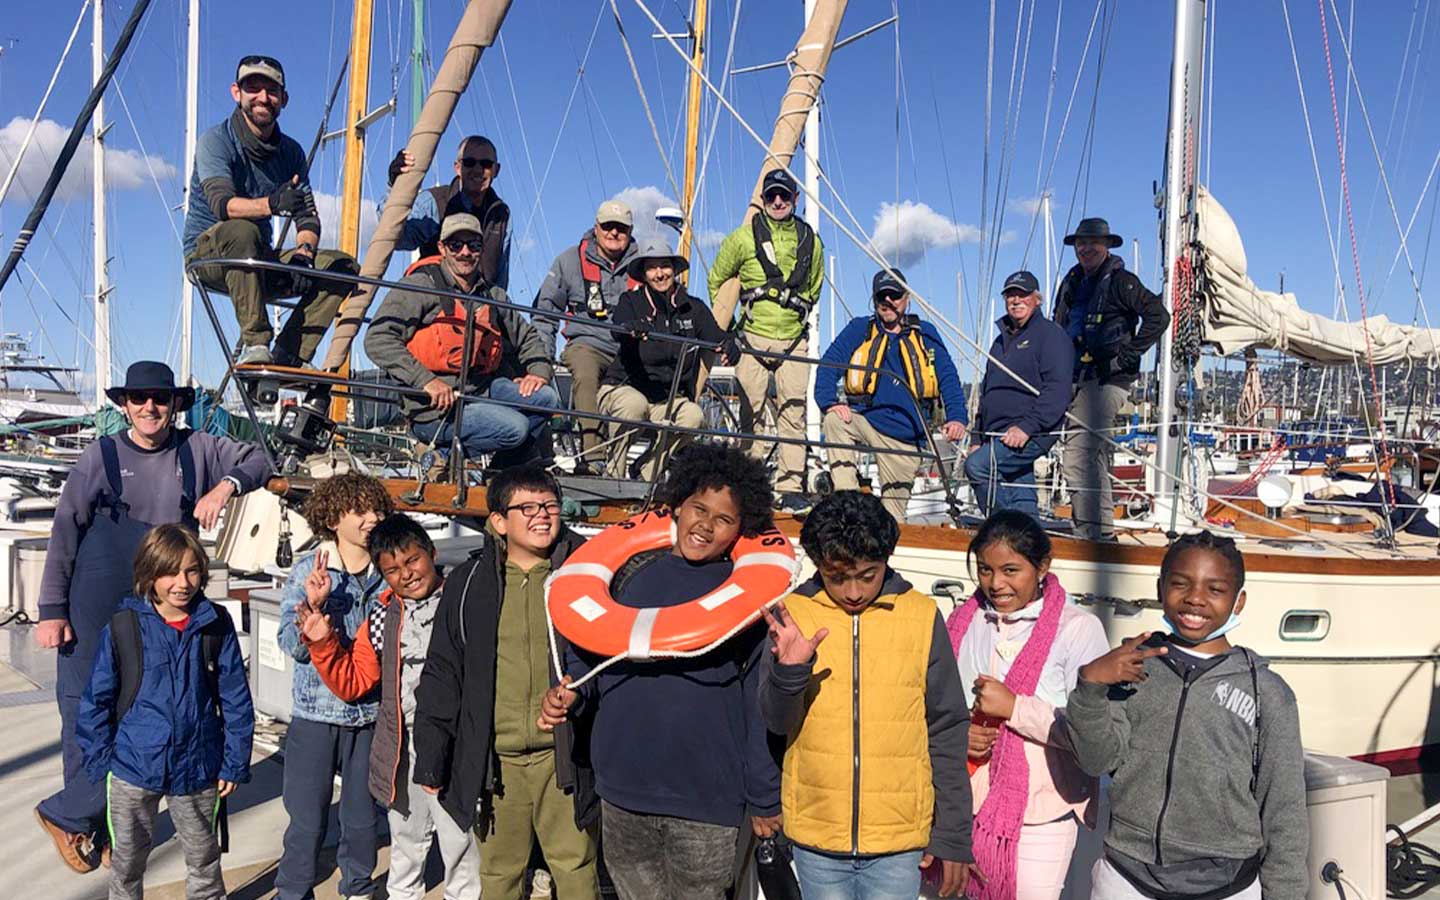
{"x":920,"y":159}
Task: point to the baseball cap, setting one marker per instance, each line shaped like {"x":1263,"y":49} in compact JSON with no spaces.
{"x":778,"y":179}
{"x":264,"y":66}
{"x":887,"y":280}
{"x":458,"y":222}
{"x":614,"y":211}
{"x":1021,"y":281}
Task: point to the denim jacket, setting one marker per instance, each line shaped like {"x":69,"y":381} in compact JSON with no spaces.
{"x":350,"y":599}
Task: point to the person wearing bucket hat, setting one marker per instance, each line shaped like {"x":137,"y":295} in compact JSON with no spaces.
{"x":416,"y":338}
{"x":1111,"y":320}
{"x":580,"y":292}
{"x":1014,"y":425}
{"x":879,"y":409}
{"x":151,"y":474}
{"x":471,"y":191}
{"x":780,"y":262}
{"x":247,"y":172}
{"x":637,"y":384}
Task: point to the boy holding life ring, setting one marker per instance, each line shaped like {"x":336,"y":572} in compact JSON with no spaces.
{"x":682,"y":763}
{"x":861,"y":681}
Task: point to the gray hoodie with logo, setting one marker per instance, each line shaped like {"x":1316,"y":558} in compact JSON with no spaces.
{"x":1183,"y":752}
{"x":564,"y":291}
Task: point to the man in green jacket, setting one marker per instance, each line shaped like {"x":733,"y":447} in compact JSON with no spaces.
{"x":781,"y":263}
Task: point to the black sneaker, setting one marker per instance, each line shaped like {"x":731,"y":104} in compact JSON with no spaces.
{"x":795,"y":504}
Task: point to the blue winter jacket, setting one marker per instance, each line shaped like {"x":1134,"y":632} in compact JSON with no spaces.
{"x":177,"y":738}
{"x":351,"y":597}
{"x":1041,"y":354}
{"x":891,"y":411}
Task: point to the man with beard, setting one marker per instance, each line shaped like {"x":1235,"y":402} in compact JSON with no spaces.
{"x":247,"y":171}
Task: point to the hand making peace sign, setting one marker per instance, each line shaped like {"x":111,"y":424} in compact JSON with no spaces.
{"x":1123,"y":665}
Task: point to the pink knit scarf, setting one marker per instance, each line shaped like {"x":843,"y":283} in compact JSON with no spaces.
{"x":996,"y":831}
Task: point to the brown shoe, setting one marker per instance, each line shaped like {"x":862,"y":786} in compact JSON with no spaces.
{"x":73,"y":848}
{"x":105,"y":856}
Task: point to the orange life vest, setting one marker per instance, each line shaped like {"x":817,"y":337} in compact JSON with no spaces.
{"x":590,"y":274}
{"x":440,"y":345}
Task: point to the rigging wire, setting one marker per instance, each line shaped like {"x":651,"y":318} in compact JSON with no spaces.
{"x":1009,"y":141}
{"x":700,"y":179}
{"x":145,"y":155}
{"x":1049,"y":95}
{"x":529,"y":157}
{"x":645,"y":100}
{"x":985,"y":155}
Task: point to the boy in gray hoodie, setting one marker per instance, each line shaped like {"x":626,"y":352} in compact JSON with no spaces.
{"x":1203,"y":741}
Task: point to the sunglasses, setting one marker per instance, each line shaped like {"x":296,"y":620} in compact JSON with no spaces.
{"x":159,"y":398}
{"x":260,"y":60}
{"x":471,"y":162}
{"x":532,"y":509}
{"x":889,"y":297}
{"x":783,"y":196}
{"x":616,"y":227}
{"x":455,"y":245}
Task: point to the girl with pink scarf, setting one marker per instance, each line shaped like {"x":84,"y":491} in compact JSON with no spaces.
{"x":1019,"y":643}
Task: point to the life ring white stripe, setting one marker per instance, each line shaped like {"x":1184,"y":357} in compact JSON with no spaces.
{"x":781,"y":560}
{"x":720,"y":596}
{"x":640,"y":633}
{"x":587,"y":608}
{"x":594,"y":570}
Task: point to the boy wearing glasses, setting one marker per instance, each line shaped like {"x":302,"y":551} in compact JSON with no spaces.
{"x":509,"y":368}
{"x":246,"y":172}
{"x":477,"y":741}
{"x":584,"y":286}
{"x":780,"y":262}
{"x":471,"y":191}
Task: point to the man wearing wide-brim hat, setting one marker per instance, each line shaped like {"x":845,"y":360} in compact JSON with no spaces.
{"x":1112,"y":319}
{"x":121,"y":486}
{"x":637,"y":384}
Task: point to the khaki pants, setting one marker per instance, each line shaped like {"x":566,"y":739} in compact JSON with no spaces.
{"x":586,"y":365}
{"x":897,"y":473}
{"x":530,"y":806}
{"x":250,"y":289}
{"x":1087,"y":456}
{"x":625,"y":402}
{"x":792,"y":383}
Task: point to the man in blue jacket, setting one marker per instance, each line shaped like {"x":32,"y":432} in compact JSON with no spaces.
{"x":1023,"y":398}
{"x":878,"y":409}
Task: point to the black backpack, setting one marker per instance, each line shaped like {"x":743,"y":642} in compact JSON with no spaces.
{"x":129,"y":652}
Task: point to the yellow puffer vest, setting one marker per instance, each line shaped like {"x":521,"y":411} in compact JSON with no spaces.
{"x":879,"y":798}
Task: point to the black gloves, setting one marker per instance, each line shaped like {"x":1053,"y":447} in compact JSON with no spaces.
{"x":291,"y":199}
{"x":300,"y":284}
{"x":396,"y":165}
{"x":729,"y":351}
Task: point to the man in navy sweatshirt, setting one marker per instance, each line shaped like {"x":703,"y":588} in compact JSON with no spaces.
{"x":1023,"y":398}
{"x":878,"y":409}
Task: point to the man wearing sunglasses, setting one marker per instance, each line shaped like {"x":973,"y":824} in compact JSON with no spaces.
{"x":781,"y":263}
{"x":150,"y":474}
{"x":898,"y":380}
{"x":472,"y":190}
{"x":584,"y":285}
{"x":246,"y":172}
{"x":417,"y":338}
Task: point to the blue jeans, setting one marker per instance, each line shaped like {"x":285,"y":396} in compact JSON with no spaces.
{"x":894,"y":876}
{"x":1004,"y":478}
{"x":314,"y":753}
{"x":490,"y":427}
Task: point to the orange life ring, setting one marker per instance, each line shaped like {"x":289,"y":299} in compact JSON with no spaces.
{"x":583,"y":610}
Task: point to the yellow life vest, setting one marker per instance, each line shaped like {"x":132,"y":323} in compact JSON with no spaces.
{"x":917,"y":361}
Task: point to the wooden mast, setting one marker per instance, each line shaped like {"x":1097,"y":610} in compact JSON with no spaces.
{"x":692,"y":125}
{"x":357,"y":104}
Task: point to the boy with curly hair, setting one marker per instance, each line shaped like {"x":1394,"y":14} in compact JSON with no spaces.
{"x":681,"y":757}
{"x":329,"y":735}
{"x":875,"y":785}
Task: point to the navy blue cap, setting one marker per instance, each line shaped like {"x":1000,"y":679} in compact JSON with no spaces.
{"x":778,"y":179}
{"x":887,"y":280}
{"x":1021,"y":281}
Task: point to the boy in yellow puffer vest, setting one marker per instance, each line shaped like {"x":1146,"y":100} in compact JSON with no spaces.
{"x":874,"y":785}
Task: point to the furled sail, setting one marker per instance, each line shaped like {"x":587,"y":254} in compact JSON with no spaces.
{"x":1238,"y":314}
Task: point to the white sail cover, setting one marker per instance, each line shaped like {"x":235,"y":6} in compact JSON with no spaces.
{"x":1238,"y":314}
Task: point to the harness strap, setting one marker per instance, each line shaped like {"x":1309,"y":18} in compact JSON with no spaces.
{"x":189,"y":484}
{"x":111,"y":458}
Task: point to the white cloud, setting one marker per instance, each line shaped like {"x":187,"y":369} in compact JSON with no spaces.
{"x":710,"y":241}
{"x":904,"y":232}
{"x":125,"y":170}
{"x":643,"y":202}
{"x":328,"y":206}
{"x":1026,"y":206}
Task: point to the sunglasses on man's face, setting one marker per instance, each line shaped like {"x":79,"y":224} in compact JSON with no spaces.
{"x":471,"y":162}
{"x":614,"y":227}
{"x":160,"y":398}
{"x":782,"y":196}
{"x":889,"y":298}
{"x":455,"y":245}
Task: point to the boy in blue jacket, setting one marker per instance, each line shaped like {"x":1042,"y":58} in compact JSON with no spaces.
{"x":878,"y":410}
{"x":182,"y":731}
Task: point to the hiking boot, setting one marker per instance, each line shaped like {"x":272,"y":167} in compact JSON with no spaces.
{"x":259,"y":354}
{"x":74,"y":849}
{"x":795,"y":504}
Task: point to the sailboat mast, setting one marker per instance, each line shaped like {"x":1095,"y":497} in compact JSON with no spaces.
{"x":1187,"y":76}
{"x":695,"y":93}
{"x":192,"y":120}
{"x":812,"y":215}
{"x":357,"y":104}
{"x":417,"y":62}
{"x":97,"y":181}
